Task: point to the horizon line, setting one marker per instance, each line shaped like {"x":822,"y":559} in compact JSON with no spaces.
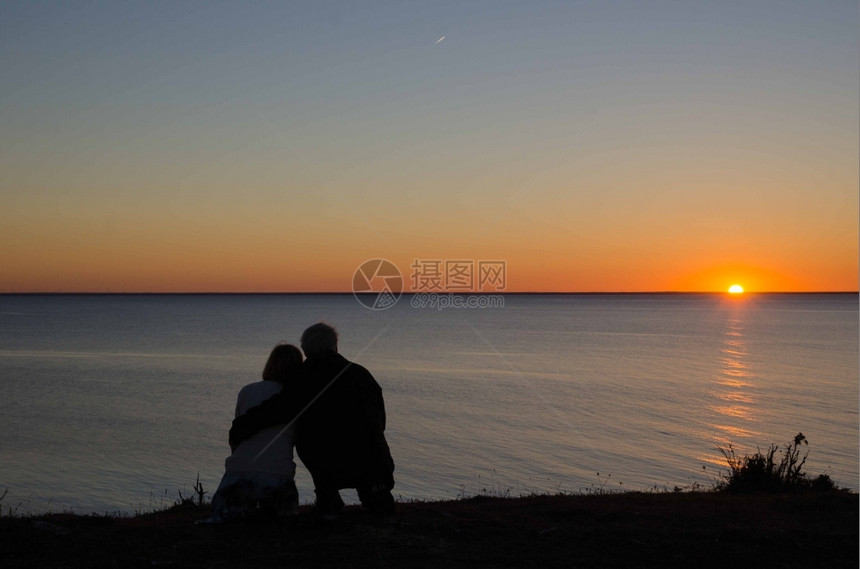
{"x":466,"y":293}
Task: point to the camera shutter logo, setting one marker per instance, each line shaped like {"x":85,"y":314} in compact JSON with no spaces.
{"x":377,"y":284}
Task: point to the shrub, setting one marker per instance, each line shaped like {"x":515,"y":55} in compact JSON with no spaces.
{"x":762,"y":473}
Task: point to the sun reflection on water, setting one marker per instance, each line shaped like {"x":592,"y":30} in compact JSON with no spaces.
{"x":735,"y":405}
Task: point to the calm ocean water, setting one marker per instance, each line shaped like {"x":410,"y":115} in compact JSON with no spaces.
{"x":114,"y":403}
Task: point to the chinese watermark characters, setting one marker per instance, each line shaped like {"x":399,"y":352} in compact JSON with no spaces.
{"x":435,"y":283}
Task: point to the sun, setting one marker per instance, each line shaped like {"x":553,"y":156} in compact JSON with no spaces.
{"x":736,"y":289}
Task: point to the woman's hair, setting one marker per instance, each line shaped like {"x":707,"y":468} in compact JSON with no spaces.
{"x":283,"y":362}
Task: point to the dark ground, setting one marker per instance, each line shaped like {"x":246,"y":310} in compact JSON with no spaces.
{"x":690,"y":530}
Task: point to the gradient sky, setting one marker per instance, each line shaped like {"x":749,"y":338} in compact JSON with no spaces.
{"x":593,"y":146}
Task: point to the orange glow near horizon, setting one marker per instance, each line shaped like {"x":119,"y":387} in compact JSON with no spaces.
{"x":329,"y":268}
{"x":736,"y":289}
{"x":263,"y":255}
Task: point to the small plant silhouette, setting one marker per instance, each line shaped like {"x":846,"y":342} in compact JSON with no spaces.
{"x":198,"y":488}
{"x":762,"y":473}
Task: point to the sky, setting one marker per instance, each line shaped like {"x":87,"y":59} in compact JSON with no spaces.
{"x":277,"y":146}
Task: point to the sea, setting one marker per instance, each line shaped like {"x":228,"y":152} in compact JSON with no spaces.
{"x":122,"y":403}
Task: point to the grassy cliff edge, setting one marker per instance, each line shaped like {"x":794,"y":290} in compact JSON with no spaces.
{"x":685,"y":529}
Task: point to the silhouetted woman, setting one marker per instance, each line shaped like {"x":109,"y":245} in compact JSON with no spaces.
{"x":261,"y":472}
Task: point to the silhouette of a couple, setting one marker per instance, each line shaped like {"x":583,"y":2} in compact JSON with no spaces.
{"x":332,"y":410}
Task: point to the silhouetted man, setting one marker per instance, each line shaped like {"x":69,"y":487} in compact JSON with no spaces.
{"x":340,"y":417}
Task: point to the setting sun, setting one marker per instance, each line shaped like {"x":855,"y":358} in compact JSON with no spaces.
{"x":736,"y":289}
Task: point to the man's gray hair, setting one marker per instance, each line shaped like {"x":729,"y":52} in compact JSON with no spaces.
{"x":319,"y":338}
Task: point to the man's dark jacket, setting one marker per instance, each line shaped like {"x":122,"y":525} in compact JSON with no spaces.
{"x":340,"y":436}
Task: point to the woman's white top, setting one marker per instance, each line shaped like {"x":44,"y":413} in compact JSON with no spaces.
{"x":278,"y":442}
